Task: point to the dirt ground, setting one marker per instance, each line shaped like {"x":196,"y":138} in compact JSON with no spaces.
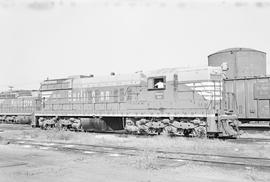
{"x":25,"y":163}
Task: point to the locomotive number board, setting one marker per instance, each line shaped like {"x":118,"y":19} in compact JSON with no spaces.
{"x":262,"y":91}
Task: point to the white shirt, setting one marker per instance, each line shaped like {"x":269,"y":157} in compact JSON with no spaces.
{"x":159,"y":84}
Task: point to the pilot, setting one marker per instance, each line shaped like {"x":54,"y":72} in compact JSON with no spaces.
{"x":159,"y":84}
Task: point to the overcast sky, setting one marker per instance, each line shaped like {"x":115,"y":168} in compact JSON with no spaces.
{"x":60,"y":38}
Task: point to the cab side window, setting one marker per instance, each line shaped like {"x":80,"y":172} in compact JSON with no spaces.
{"x":156,"y":83}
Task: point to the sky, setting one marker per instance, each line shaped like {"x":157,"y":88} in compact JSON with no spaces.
{"x":42,"y":39}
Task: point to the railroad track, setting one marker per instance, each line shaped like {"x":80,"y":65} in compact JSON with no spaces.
{"x":245,"y":161}
{"x":250,"y":140}
{"x":250,"y":127}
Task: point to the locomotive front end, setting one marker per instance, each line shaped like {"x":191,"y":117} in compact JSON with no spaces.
{"x":223,"y":126}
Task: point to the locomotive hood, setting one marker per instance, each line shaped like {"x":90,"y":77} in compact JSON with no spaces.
{"x":188,"y":74}
{"x":110,"y":80}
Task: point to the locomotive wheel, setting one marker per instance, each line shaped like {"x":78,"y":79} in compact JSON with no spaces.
{"x":199,"y":132}
{"x":64,"y":128}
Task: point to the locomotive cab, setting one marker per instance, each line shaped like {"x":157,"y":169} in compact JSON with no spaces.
{"x":156,"y":83}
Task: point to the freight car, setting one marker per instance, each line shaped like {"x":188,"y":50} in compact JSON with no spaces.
{"x":18,"y":106}
{"x":249,"y":97}
{"x":176,"y":101}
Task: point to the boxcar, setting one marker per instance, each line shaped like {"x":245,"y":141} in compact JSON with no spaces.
{"x":249,"y":97}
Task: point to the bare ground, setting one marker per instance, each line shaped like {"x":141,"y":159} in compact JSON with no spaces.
{"x":28,"y":164}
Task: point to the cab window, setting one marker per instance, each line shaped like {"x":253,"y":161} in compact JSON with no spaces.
{"x":156,"y":83}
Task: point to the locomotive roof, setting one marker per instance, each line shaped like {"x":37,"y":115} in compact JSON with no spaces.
{"x":187,"y":74}
{"x":18,"y":93}
{"x":184,"y":74}
{"x":110,"y":80}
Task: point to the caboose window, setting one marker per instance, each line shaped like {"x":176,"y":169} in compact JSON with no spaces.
{"x":156,"y":83}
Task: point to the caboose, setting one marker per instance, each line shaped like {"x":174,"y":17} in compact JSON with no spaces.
{"x":178,"y":101}
{"x":247,"y":84}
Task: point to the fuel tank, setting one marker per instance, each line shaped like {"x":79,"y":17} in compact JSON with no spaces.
{"x":102,"y":124}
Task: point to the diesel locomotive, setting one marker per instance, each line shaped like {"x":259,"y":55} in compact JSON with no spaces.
{"x":176,"y":101}
{"x":18,"y":106}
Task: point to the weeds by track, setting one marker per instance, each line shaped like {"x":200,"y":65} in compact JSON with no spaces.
{"x":12,"y":126}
